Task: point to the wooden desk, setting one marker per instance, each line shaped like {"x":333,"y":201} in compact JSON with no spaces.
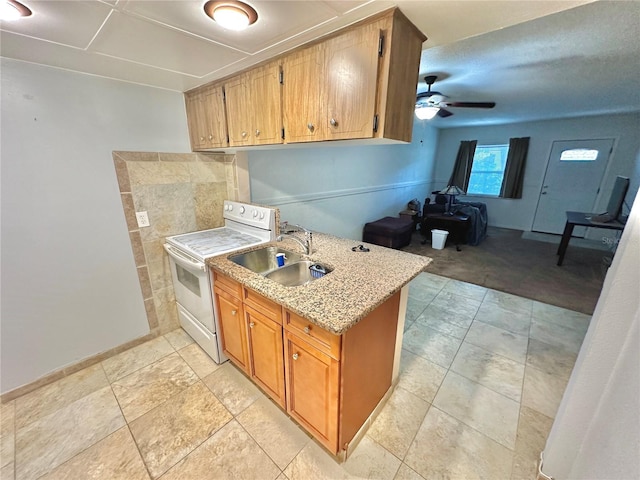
{"x":456,"y":225}
{"x":584,"y":220}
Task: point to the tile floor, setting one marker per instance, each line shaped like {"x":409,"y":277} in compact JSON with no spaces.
{"x":482,"y":374}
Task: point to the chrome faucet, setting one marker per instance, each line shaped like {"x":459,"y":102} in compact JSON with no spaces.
{"x":308,"y":236}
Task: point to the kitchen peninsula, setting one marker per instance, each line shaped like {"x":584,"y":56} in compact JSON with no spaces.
{"x":327,"y":352}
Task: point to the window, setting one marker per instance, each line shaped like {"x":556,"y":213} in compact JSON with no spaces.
{"x":487,"y":170}
{"x":579,"y":155}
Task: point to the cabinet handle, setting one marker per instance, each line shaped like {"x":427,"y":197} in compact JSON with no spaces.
{"x":210,"y":137}
{"x":257,"y":132}
{"x":252,"y":324}
{"x":310,"y":127}
{"x":233,"y":312}
{"x":202,"y":139}
{"x":307,"y":330}
{"x":295,"y":356}
{"x":244,"y":134}
{"x":333,"y":122}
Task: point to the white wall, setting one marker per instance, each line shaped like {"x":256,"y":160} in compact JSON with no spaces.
{"x":69,"y":283}
{"x":519,"y":213}
{"x":596,"y":432}
{"x":337,"y":189}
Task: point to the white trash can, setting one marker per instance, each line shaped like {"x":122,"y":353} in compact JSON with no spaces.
{"x":438,"y":239}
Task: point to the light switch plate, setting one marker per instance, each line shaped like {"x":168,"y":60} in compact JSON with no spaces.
{"x":143,"y":219}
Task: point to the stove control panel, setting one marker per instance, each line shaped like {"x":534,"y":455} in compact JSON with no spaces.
{"x":248,"y":214}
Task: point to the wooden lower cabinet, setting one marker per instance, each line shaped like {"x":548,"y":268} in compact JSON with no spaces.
{"x":313,"y":386}
{"x":330,"y":384}
{"x":265,"y":353}
{"x":233,"y":329}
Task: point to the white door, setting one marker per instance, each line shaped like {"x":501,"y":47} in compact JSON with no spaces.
{"x":571,"y":182}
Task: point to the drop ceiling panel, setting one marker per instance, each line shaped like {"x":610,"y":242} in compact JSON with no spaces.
{"x":72,"y":23}
{"x":45,"y":53}
{"x":137,"y":40}
{"x":277,"y":21}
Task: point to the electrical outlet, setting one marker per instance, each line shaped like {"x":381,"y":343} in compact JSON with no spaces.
{"x":143,"y":219}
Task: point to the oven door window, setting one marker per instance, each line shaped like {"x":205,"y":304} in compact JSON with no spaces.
{"x":188,"y":280}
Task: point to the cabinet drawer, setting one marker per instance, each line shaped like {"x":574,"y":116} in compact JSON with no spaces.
{"x":265,"y":306}
{"x":227,"y":284}
{"x":317,"y":336}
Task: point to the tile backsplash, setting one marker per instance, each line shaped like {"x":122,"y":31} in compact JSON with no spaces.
{"x":180,"y":193}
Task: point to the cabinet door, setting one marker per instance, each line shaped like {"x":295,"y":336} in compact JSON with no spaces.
{"x":301,"y":96}
{"x":215,"y":128}
{"x":196,"y":119}
{"x":239,"y":116}
{"x":313,"y":380}
{"x":266,"y":361}
{"x":233,"y":330}
{"x":351,"y":72}
{"x":266,"y":104}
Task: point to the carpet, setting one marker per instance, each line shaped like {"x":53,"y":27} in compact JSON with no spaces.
{"x":507,"y":262}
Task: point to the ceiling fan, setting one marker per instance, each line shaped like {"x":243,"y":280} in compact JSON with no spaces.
{"x":429,"y":104}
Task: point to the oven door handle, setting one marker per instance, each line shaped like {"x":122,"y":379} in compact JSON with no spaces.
{"x":184,"y":260}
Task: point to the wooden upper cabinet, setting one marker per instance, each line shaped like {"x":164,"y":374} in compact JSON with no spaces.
{"x":303,"y":109}
{"x":254,"y":107}
{"x":351,"y":74}
{"x":206,"y":118}
{"x":357,"y":83}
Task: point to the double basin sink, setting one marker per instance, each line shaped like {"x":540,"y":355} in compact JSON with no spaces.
{"x":296,"y":270}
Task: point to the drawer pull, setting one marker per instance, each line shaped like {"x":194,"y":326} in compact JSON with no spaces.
{"x":295,"y":356}
{"x":233,"y":312}
{"x":307,"y":330}
{"x":252,"y":324}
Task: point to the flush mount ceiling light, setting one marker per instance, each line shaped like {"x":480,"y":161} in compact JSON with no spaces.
{"x":426,"y":112}
{"x":231,"y":14}
{"x":13,"y":10}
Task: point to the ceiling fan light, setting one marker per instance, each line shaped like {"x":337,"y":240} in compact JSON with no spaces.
{"x":426,"y":112}
{"x":231,"y":14}
{"x":13,"y":10}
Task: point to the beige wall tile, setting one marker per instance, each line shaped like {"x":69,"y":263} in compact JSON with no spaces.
{"x":129,"y":211}
{"x":152,"y":316}
{"x":170,"y":207}
{"x":122,"y":174}
{"x":137,"y":156}
{"x":212,"y":157}
{"x":158,"y":173}
{"x":160,"y":273}
{"x":207,"y":172}
{"x":145,"y":282}
{"x":210,"y":199}
{"x":165,"y":302}
{"x":177,"y":157}
{"x":137,"y":247}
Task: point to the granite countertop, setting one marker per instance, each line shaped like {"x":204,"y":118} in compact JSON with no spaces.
{"x":358,"y":284}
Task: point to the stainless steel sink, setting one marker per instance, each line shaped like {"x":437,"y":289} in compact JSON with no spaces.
{"x":264,"y":260}
{"x":299,"y":273}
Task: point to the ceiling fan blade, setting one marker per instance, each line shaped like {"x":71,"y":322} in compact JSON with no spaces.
{"x":427,"y":95}
{"x":442,"y":113}
{"x":471,"y":104}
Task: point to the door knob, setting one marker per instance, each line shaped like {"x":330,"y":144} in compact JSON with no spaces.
{"x":307,"y":330}
{"x":210,"y":137}
{"x":244,"y":134}
{"x":310,"y":127}
{"x":257,"y":132}
{"x":295,"y":356}
{"x":233,"y":312}
{"x":251,"y":325}
{"x":333,"y":122}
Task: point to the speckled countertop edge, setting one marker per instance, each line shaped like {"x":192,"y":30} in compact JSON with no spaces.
{"x":358,"y":284}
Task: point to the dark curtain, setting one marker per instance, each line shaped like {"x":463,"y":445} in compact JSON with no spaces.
{"x":514,"y":170}
{"x":462,"y":168}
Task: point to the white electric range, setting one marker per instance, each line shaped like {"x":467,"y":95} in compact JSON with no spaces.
{"x":245,"y":225}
